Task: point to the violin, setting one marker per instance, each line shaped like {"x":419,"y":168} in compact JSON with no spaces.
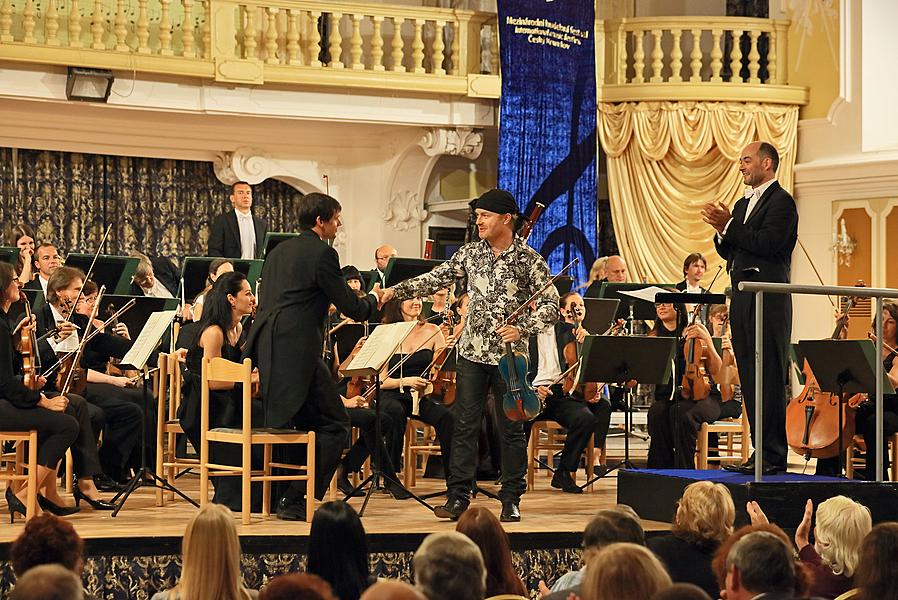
{"x":112,"y":366}
{"x":572,"y":356}
{"x":31,"y":359}
{"x":694,"y":385}
{"x":813,"y":416}
{"x":442,"y":382}
{"x":358,"y":385}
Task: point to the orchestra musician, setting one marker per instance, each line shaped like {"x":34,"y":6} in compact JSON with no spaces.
{"x":502,"y":273}
{"x":757,"y":240}
{"x":46,"y":260}
{"x":694,"y":267}
{"x":303,"y":279}
{"x":23,"y":239}
{"x":382,"y":257}
{"x":217,"y":268}
{"x":238,"y":233}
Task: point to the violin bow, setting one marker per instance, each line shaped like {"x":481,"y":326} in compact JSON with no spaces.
{"x":84,"y":338}
{"x":514,"y":314}
{"x":816,"y":272}
{"x":90,"y":271}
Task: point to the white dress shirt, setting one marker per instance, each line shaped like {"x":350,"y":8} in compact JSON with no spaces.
{"x":70,"y":344}
{"x":44,"y":283}
{"x":247,"y":234}
{"x":548,"y":368}
{"x":753,"y":195}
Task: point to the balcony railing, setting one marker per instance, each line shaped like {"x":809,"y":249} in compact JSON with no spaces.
{"x":257,"y":41}
{"x":698,"y":58}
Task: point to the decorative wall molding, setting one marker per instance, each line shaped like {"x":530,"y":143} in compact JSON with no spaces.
{"x":461,"y":141}
{"x":405,"y":209}
{"x":254,"y":165}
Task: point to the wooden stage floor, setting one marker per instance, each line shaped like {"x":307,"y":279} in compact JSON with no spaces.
{"x":544,"y":510}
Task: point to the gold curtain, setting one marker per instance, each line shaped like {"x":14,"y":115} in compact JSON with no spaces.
{"x":667,"y":159}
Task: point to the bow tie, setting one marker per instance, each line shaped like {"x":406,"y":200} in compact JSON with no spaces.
{"x":752,"y":194}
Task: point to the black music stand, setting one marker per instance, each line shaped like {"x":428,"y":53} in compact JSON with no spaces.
{"x":115,"y":272}
{"x":563,"y":284}
{"x":273,"y":238}
{"x":195,"y":271}
{"x":629,"y":307}
{"x":844,"y":367}
{"x":599,"y":313}
{"x":136,"y":316}
{"x":9,"y":254}
{"x":400,"y":269}
{"x":619,"y":359}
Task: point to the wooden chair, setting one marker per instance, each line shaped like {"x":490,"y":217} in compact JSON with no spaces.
{"x":733,"y":442}
{"x":420,"y":441}
{"x":852,"y":461}
{"x":15,"y":465}
{"x":220,"y":369}
{"x":168,"y":427}
{"x":852,"y":593}
{"x":550,"y":436}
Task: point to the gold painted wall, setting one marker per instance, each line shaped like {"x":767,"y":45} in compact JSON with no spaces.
{"x":859,"y":226}
{"x":891,"y":248}
{"x":814,"y":53}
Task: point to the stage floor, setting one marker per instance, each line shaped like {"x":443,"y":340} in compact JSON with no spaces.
{"x":544,"y":509}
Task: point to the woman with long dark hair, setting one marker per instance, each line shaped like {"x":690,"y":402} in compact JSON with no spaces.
{"x":338,"y":550}
{"x":484,"y":529}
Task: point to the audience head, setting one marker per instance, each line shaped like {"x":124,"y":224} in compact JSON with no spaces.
{"x":484,"y":529}
{"x":48,"y":582}
{"x":682,"y":591}
{"x":219,"y":267}
{"x":338,"y":549}
{"x":719,"y":563}
{"x":759,"y":563}
{"x":298,"y":586}
{"x":321,"y":213}
{"x":878,"y":563}
{"x":241,"y":196}
{"x":392,"y":590}
{"x":46,"y":260}
{"x":694,"y":267}
{"x":210,"y":556}
{"x":611,"y":526}
{"x":382,"y":256}
{"x":47,"y":539}
{"x":616,"y":269}
{"x":705,"y":514}
{"x":449,"y":566}
{"x":623,"y":572}
{"x":842,"y":525}
{"x":64,"y":285}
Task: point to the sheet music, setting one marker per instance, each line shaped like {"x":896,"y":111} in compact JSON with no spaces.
{"x":647,"y":294}
{"x":378,"y":348}
{"x":149,"y":338}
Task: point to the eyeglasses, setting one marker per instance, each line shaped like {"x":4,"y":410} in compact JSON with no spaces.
{"x":663,"y":304}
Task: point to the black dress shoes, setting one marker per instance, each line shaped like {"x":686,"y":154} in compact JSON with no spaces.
{"x":510,"y":511}
{"x":563,"y":481}
{"x":397,"y":491}
{"x":106,"y":484}
{"x":294,"y":510}
{"x":748,"y":468}
{"x":453,"y":509}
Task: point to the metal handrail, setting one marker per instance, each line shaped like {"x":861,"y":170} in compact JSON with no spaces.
{"x":759,"y":288}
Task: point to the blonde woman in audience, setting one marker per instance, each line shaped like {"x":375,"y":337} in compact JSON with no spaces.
{"x":210,"y":559}
{"x":704,"y":520}
{"x":842,"y":525}
{"x":624,"y":572}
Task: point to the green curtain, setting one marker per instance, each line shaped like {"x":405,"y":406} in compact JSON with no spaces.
{"x":157,"y":206}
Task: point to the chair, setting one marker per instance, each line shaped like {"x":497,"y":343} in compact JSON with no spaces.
{"x":168,"y":427}
{"x":15,"y":464}
{"x":852,"y":461}
{"x":852,"y":593}
{"x":333,"y":493}
{"x":733,"y":442}
{"x":222,"y":370}
{"x":420,"y":441}
{"x":550,"y":436}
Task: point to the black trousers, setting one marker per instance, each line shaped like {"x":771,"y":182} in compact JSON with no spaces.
{"x":577,"y":418}
{"x":398,"y":406}
{"x":56,"y":431}
{"x":601,"y":412}
{"x":865,"y":422}
{"x":473,"y":381}
{"x":84,"y":449}
{"x":121,"y":437}
{"x":674,"y":427}
{"x":365,"y":420}
{"x":777,"y":332}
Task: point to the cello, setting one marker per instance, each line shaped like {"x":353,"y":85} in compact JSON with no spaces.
{"x":813,"y":416}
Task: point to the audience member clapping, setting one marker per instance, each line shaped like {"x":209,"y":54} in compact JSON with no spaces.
{"x":298,"y":586}
{"x":392,"y":590}
{"x":338,"y":550}
{"x":704,"y":520}
{"x":758,"y":565}
{"x":48,"y":582}
{"x":484,"y":529}
{"x":449,"y":566}
{"x":47,"y":540}
{"x":877,"y":564}
{"x":623,"y":572}
{"x":608,"y":526}
{"x":210,"y":559}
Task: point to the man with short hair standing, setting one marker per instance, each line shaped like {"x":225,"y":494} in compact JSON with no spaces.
{"x":237,"y":233}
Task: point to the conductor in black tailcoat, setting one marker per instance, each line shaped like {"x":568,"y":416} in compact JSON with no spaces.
{"x":238,"y":233}
{"x":302,"y":279}
{"x":757,"y":240}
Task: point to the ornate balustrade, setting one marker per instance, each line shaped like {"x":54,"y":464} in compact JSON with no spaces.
{"x":695,"y":58}
{"x":260,"y":41}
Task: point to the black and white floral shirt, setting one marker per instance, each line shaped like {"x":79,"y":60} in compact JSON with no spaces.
{"x":497,"y":285}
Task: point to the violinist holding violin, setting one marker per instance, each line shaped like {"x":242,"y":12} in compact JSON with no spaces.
{"x":503,"y":272}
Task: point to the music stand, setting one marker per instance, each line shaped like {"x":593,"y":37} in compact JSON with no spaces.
{"x":136,"y":316}
{"x":195,"y":271}
{"x":641,"y":309}
{"x":619,"y":359}
{"x":115,"y":272}
{"x":9,"y":254}
{"x":599,"y":313}
{"x":844,"y":367}
{"x":400,"y":269}
{"x":136,"y":358}
{"x":563,"y":284}
{"x":273,"y":238}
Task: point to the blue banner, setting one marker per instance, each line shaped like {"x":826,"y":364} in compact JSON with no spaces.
{"x":547,"y":123}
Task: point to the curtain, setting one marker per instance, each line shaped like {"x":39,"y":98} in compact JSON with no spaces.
{"x":667,"y":159}
{"x":157,"y":206}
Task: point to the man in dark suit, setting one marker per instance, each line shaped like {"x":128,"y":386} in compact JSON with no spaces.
{"x":694,"y":267}
{"x":757,"y":240}
{"x":303,"y":279}
{"x":237,"y":233}
{"x":382,"y":256}
{"x":46,"y":260}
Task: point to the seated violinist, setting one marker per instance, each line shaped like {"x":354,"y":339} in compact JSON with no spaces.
{"x":678,"y":411}
{"x":361,"y":415}
{"x":123,"y":417}
{"x":553,"y":351}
